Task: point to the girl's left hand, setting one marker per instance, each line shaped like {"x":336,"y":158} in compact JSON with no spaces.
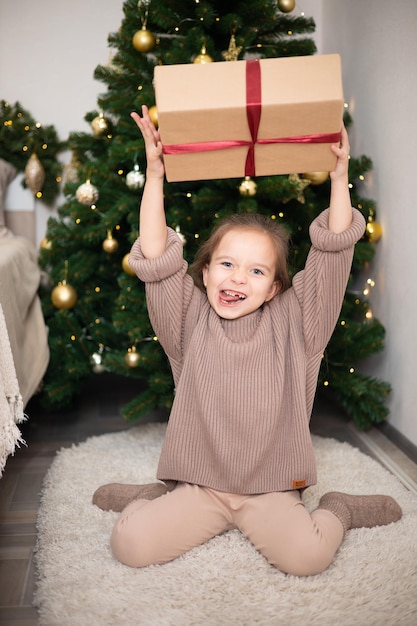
{"x":342,"y":152}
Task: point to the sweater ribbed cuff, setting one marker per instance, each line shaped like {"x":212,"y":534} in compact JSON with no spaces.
{"x":328,"y":241}
{"x":154,"y":270}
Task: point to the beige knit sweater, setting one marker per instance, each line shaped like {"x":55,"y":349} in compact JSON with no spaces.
{"x":245,"y":387}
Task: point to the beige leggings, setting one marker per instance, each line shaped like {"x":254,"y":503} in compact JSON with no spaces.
{"x":277,"y":524}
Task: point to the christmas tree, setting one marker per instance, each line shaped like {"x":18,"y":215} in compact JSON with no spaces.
{"x":95,"y":308}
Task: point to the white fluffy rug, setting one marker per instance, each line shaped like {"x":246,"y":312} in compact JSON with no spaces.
{"x":225,"y":582}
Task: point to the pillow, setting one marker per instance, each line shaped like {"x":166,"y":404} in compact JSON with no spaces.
{"x":7,"y":174}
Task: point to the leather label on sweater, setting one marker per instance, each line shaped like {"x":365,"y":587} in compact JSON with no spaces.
{"x":298,"y":484}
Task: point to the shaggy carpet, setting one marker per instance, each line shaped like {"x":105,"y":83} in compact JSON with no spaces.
{"x":372,"y":581}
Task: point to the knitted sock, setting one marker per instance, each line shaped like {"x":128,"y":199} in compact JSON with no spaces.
{"x":361,"y":511}
{"x":116,"y":496}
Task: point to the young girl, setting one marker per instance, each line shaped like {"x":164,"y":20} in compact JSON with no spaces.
{"x":245,"y":350}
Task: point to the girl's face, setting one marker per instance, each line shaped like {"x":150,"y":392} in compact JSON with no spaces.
{"x":241,"y":274}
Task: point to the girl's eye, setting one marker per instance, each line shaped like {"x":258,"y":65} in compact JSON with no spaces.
{"x":258,"y":272}
{"x":226,"y":264}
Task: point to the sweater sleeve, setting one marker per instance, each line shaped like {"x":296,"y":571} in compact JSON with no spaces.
{"x":321,"y":286}
{"x":169,"y":290}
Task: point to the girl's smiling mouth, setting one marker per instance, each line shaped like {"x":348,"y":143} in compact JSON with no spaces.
{"x":228,"y":296}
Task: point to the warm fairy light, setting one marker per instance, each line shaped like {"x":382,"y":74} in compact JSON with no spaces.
{"x":120,"y":172}
{"x":326,"y":383}
{"x":78,"y":221}
{"x":117,"y":227}
{"x":350,"y":186}
{"x":38,"y":125}
{"x":44,"y":146}
{"x":371,"y":282}
{"x":155,"y":338}
{"x":369,"y":315}
{"x":27,"y":128}
{"x":93,"y":207}
{"x":346,"y":105}
{"x":361,"y":177}
{"x":97,"y":289}
{"x":352,"y":369}
{"x":343,"y":323}
{"x":189,"y":194}
{"x":97,"y":320}
{"x":73,"y":337}
{"x":281,"y":214}
{"x":25,"y":148}
{"x":196,"y":236}
{"x":39,"y":194}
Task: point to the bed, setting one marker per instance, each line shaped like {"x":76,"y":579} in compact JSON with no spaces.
{"x":24,"y":351}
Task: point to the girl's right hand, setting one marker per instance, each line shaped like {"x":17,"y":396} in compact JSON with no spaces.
{"x":153,"y":145}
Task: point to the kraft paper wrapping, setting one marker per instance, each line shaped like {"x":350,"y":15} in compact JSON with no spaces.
{"x":300,"y":96}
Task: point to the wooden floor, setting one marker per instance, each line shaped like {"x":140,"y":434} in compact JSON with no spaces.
{"x":97,"y":412}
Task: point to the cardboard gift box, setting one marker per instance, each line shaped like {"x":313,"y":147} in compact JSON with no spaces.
{"x":249,"y":118}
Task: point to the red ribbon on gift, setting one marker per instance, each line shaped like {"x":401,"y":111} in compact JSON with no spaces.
{"x":253,"y":114}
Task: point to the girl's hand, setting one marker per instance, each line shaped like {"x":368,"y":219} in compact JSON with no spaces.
{"x":153,"y":145}
{"x":342,"y":153}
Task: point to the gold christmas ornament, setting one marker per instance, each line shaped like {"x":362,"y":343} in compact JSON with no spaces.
{"x":126,"y":267}
{"x":87,"y":194}
{"x":34,"y":174}
{"x":45,"y":244}
{"x":64,"y":296}
{"x":203,"y":57}
{"x":143,"y":40}
{"x":101,"y":125}
{"x":153,"y":114}
{"x":373,"y":230}
{"x":286,"y":6}
{"x":233,"y":51}
{"x":247,"y":187}
{"x":110,"y":244}
{"x":298,"y":186}
{"x":135,"y":179}
{"x":316,"y":178}
{"x":132,"y":357}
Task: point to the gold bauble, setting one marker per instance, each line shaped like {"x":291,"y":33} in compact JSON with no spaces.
{"x":143,"y":40}
{"x":110,"y":244}
{"x":203,"y":57}
{"x":101,"y":125}
{"x":247,"y":187}
{"x":132,"y":357}
{"x":64,"y":296}
{"x":316,"y":178}
{"x":34,"y":174}
{"x":153,"y":114}
{"x":286,"y":6}
{"x":126,"y":267}
{"x":45,"y":244}
{"x":87,"y":194}
{"x":374,"y":231}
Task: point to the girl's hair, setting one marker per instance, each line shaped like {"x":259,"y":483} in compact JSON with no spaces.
{"x":252,"y":221}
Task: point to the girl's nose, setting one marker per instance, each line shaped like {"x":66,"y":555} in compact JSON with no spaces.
{"x":239,"y":277}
